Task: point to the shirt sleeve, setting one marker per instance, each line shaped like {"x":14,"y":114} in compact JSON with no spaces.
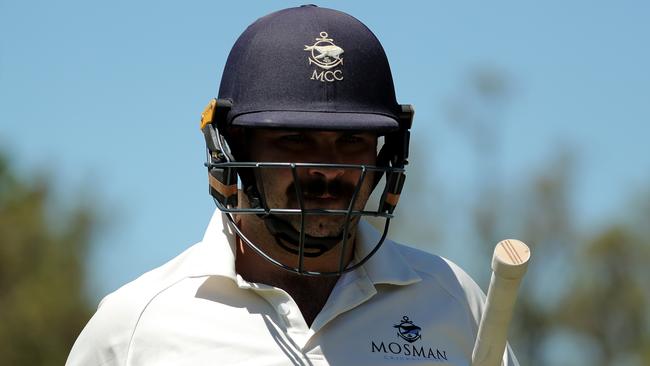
{"x":105,"y":339}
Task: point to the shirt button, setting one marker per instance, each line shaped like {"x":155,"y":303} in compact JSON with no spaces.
{"x":284,"y":309}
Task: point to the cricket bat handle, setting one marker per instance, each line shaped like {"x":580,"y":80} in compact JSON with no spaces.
{"x":509,"y":264}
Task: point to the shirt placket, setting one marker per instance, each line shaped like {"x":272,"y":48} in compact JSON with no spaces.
{"x":287,"y":311}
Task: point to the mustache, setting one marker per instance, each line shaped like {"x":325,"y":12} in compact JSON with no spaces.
{"x":317,"y":187}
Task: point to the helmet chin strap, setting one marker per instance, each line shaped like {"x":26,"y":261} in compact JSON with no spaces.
{"x":284,"y":232}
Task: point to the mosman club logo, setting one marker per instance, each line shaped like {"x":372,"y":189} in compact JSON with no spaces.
{"x":409,"y":332}
{"x":326,"y":56}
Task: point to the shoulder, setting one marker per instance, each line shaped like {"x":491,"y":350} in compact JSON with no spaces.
{"x":134,"y":296}
{"x":447,"y":274}
{"x":456,"y":281}
{"x":105,"y":339}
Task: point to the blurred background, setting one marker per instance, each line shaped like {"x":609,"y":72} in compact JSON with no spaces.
{"x":532,"y":122}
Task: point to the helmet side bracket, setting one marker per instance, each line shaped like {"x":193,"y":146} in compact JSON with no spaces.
{"x":222,"y":181}
{"x":397,"y":145}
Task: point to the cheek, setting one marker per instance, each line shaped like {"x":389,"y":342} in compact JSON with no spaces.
{"x":366,"y":157}
{"x":275,"y":180}
{"x":353,"y":176}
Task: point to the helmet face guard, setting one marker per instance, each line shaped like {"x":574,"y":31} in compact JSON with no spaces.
{"x":227,"y":177}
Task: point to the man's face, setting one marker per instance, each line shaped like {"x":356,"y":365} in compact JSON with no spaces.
{"x":325,"y":188}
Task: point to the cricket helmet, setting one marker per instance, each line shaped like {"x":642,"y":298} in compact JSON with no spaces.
{"x":305,"y":68}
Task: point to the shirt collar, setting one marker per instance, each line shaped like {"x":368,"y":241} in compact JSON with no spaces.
{"x":387,"y":265}
{"x":216,"y":252}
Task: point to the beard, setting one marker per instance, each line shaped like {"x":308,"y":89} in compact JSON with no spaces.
{"x":320,"y":226}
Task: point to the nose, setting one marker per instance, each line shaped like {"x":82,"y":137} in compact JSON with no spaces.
{"x":328,"y":173}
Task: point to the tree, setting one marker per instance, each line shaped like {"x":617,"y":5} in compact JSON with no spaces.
{"x":42,"y":252}
{"x":588,"y":289}
{"x":610,"y":299}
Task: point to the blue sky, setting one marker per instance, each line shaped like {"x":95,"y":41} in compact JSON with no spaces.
{"x":106,"y":96}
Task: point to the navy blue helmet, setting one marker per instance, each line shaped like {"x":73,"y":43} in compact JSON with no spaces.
{"x":305,"y":68}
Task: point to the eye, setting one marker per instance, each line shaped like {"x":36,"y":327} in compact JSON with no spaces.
{"x":293,"y":138}
{"x":351,"y":139}
{"x":358,"y":139}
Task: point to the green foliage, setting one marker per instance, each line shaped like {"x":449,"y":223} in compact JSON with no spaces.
{"x":42,"y":251}
{"x":586,"y":287}
{"x":610,"y":298}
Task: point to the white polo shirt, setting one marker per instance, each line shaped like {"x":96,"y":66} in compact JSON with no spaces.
{"x":402,"y":307}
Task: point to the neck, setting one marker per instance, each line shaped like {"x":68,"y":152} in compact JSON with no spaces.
{"x":309,"y":292}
